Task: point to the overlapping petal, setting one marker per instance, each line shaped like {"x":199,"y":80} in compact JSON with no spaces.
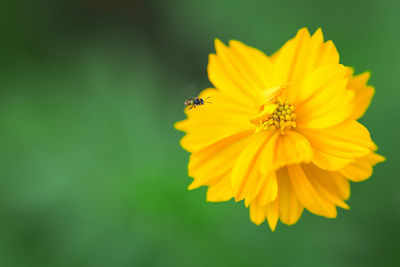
{"x":309,"y":193}
{"x":210,"y":163}
{"x":337,"y":146}
{"x":323,"y":100}
{"x":239,"y":71}
{"x":301,"y":56}
{"x":220,"y":189}
{"x":247,"y":181}
{"x":363,"y":93}
{"x":272,"y":213}
{"x":361,"y":168}
{"x":282,"y":150}
{"x":208,"y":124}
{"x":290,"y":208}
{"x":333,"y":185}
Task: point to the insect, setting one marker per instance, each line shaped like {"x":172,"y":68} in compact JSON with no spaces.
{"x":193,"y":102}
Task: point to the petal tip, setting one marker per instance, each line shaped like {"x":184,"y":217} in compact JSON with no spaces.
{"x":380,"y":158}
{"x":272,"y":225}
{"x":193,"y":185}
{"x":303,"y":31}
{"x":234,"y":42}
{"x":237,"y":198}
{"x":178,"y":125}
{"x":218,"y":45}
{"x":318,"y":34}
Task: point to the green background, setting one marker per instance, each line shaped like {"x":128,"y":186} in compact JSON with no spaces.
{"x":92,"y":173}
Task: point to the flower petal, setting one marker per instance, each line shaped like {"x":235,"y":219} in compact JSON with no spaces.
{"x":361,"y":168}
{"x":267,"y":191}
{"x":231,"y":71}
{"x":267,"y":156}
{"x":210,"y":163}
{"x":336,"y":146}
{"x":329,"y":162}
{"x":290,"y":208}
{"x":282,"y":150}
{"x":247,"y":181}
{"x":323,"y":100}
{"x":310,"y":196}
{"x":292,"y":148}
{"x":272,"y":214}
{"x":288,"y":59}
{"x":208,"y":124}
{"x":220,"y":191}
{"x":363,"y":93}
{"x":257,"y":213}
{"x":332,"y":181}
{"x":255,"y":64}
{"x":332,"y":184}
{"x":300,"y":56}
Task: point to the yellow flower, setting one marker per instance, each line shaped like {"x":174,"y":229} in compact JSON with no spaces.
{"x":281,"y":132}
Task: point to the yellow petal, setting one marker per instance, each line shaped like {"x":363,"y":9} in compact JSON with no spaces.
{"x":220,"y":191}
{"x":310,"y":196}
{"x":282,"y":150}
{"x":332,"y":181}
{"x":268,"y":190}
{"x":332,"y":184}
{"x":254,"y":63}
{"x":301,"y":56}
{"x":292,"y":148}
{"x":246,"y":178}
{"x":267,"y":156}
{"x":329,"y":162}
{"x":361,"y":168}
{"x":268,"y":109}
{"x":286,"y":60}
{"x":267,"y":96}
{"x":323,"y":100}
{"x":211,"y":162}
{"x":336,"y":146}
{"x":272,"y":213}
{"x":231,"y":71}
{"x":257,"y":214}
{"x":363,"y":93}
{"x":209,"y":123}
{"x":290,"y":208}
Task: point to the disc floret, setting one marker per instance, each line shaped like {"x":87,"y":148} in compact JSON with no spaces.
{"x":282,"y":118}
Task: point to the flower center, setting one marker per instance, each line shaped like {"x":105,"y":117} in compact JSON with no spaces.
{"x":283,"y":117}
{"x":275,"y":115}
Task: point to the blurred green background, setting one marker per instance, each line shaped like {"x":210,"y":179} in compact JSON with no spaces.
{"x":92,"y":173}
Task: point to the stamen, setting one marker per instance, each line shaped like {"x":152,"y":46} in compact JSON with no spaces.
{"x":282,"y":118}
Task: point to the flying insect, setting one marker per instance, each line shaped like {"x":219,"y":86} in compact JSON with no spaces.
{"x":193,"y":102}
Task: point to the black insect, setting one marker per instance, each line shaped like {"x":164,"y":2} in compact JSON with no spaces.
{"x":193,"y":102}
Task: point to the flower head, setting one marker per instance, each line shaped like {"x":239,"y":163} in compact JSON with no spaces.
{"x":282,"y":132}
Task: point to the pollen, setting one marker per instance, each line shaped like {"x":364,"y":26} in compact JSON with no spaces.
{"x":282,"y":118}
